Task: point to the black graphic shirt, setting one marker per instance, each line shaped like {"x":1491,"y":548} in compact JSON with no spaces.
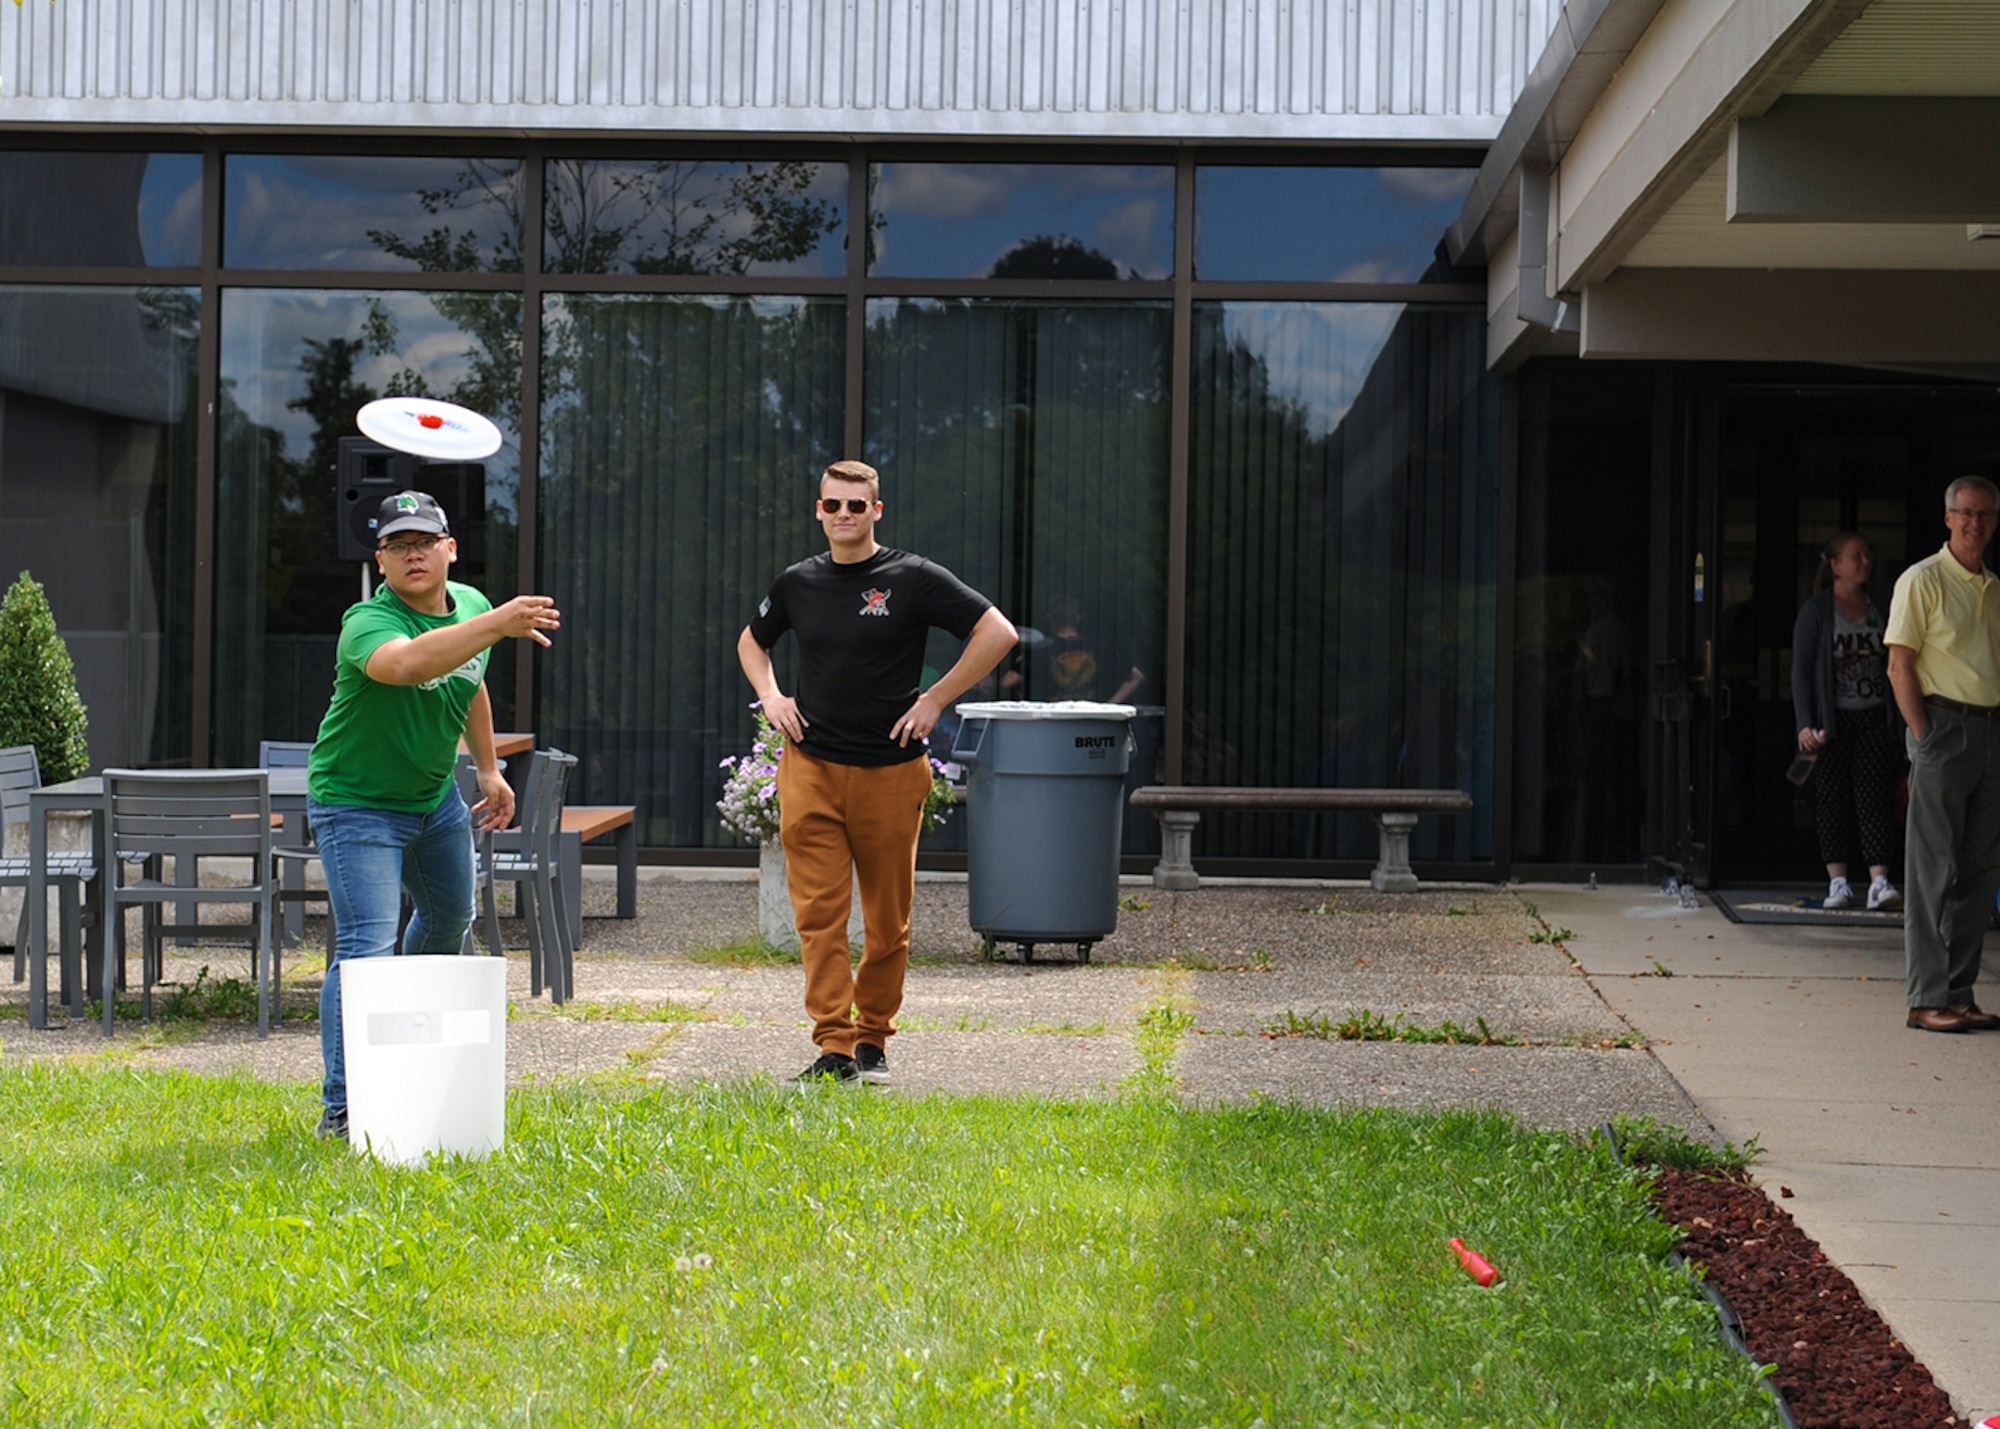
{"x":861,"y":631}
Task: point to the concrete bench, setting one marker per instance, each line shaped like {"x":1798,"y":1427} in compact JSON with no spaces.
{"x":1179,"y":808}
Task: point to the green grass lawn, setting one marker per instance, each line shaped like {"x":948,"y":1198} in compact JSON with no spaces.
{"x":181,"y":1250}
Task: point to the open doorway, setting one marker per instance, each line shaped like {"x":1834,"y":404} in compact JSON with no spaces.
{"x":1798,"y":463}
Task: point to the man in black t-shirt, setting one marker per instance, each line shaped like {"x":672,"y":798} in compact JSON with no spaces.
{"x":854,"y":776}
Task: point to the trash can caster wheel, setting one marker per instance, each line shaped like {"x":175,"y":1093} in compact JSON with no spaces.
{"x":1027,"y":952}
{"x":1083,"y":952}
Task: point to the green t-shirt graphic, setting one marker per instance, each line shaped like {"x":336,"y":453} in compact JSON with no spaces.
{"x":393,"y":746}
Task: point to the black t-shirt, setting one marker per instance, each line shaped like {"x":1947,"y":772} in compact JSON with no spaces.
{"x":862,"y":630}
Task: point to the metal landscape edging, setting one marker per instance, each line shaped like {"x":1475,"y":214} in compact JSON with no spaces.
{"x":1727,"y":1319}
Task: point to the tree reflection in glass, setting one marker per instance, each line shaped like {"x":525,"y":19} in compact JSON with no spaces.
{"x":687,"y":217}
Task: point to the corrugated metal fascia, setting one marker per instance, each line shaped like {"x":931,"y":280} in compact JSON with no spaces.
{"x":1113,"y":68}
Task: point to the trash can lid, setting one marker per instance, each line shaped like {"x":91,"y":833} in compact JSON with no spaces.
{"x":1056,"y":709}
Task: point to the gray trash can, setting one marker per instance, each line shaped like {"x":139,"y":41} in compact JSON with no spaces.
{"x":1045,"y":809}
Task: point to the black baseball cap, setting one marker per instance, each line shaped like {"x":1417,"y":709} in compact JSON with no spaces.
{"x":411,"y":511}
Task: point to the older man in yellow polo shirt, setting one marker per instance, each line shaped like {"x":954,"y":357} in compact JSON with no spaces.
{"x":1944,"y":665}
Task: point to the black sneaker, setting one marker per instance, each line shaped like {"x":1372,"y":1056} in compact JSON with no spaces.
{"x":828,"y":1067}
{"x":871,"y":1062}
{"x":332,"y":1124}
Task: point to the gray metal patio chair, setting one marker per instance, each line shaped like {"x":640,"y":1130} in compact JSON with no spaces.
{"x":531,"y":860}
{"x":71,"y":874}
{"x":485,"y":912}
{"x":182,"y":815}
{"x":294,"y":858}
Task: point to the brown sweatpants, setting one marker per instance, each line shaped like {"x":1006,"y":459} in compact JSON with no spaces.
{"x":842,"y":824}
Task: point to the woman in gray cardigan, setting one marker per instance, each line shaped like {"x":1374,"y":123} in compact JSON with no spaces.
{"x":1840,"y":686}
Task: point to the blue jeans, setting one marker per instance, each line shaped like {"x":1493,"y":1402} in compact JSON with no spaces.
{"x":370,"y":857}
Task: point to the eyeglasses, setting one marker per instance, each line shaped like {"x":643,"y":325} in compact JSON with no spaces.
{"x":1973,"y":514}
{"x":402,"y":549}
{"x":856,"y":505}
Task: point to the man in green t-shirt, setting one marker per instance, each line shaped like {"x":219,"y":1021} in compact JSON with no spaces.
{"x":409,"y":684}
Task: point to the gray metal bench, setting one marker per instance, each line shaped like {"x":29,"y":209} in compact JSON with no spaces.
{"x":1179,"y":808}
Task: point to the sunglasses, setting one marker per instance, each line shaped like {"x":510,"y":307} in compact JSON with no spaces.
{"x":856,"y":505}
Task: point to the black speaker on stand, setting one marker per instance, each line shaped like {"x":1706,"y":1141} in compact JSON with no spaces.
{"x":368,"y":471}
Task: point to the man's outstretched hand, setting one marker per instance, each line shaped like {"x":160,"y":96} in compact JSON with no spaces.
{"x":527,"y":616}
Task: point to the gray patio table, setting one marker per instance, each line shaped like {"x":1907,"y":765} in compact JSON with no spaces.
{"x":288,"y":797}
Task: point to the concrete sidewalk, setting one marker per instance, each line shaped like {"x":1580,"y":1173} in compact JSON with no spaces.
{"x":1888,"y":1139}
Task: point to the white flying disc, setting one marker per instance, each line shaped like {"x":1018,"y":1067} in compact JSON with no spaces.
{"x":420,"y":426}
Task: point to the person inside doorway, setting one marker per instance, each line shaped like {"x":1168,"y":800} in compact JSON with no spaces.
{"x":1944,"y":665}
{"x":1064,"y":662}
{"x":1846,"y":719}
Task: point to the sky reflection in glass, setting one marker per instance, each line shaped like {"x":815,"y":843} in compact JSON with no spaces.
{"x":377,"y":215}
{"x":1322,"y":225}
{"x":1102,"y":221}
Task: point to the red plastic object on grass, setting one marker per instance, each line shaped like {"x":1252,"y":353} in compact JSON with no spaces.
{"x":1476,"y":1265}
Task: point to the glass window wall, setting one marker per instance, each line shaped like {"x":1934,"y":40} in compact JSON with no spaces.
{"x":1580,"y":613}
{"x":1024,"y":445}
{"x":1342,"y":483}
{"x":296,"y":366}
{"x":1341,"y":582}
{"x":682,"y":440}
{"x":97,"y":458}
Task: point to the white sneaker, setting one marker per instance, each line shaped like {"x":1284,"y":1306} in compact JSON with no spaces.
{"x":1838,"y":895}
{"x":1882,"y":894}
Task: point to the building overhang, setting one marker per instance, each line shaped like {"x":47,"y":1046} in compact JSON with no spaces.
{"x":1809,"y":179}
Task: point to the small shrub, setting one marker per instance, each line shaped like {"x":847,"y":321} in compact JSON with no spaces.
{"x":38,"y":700}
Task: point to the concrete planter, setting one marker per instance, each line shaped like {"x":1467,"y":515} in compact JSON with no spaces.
{"x":775,"y":924}
{"x":69,"y":832}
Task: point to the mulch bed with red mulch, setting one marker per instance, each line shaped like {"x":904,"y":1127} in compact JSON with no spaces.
{"x":1838,"y":1364}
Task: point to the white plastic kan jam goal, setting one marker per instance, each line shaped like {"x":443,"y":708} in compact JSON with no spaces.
{"x":426,"y":1046}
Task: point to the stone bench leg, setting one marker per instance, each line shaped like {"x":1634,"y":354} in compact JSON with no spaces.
{"x":1175,"y":870}
{"x":1392,"y":867}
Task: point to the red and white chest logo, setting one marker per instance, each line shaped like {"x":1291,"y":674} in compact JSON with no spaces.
{"x":874,"y":602}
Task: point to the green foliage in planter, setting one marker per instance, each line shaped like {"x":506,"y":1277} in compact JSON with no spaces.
{"x":38,"y":699}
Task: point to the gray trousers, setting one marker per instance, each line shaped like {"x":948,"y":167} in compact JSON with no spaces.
{"x":1952,"y":855}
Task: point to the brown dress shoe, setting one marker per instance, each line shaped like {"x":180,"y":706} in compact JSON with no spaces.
{"x":1979,"y":1019}
{"x":1940,"y":1019}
